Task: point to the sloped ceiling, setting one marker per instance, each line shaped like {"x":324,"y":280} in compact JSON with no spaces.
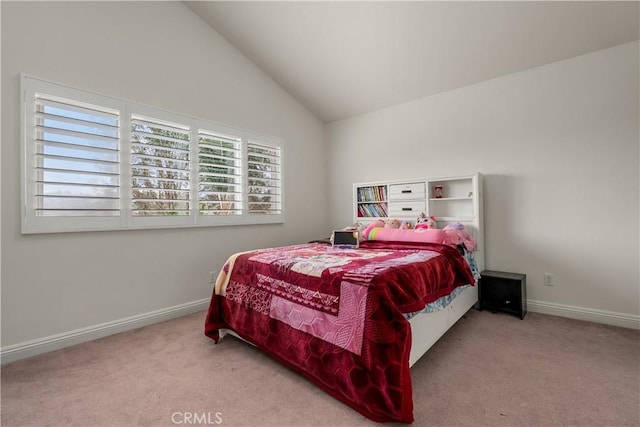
{"x":340,"y":59}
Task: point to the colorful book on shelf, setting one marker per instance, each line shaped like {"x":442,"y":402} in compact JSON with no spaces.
{"x":376,"y":193}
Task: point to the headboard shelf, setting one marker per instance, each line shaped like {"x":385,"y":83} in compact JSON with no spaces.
{"x":448,"y":199}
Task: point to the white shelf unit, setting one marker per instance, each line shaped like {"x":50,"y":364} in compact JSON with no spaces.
{"x":457,"y":201}
{"x":370,"y":201}
{"x":461,"y":201}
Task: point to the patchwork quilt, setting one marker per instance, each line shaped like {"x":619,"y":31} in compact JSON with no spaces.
{"x":336,"y":316}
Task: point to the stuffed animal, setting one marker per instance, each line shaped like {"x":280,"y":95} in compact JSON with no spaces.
{"x":458,"y":235}
{"x":392,"y":223}
{"x":425,"y":222}
{"x":405,"y":225}
{"x":421,"y":222}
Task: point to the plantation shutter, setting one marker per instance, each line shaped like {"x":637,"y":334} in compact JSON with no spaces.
{"x":77,"y":159}
{"x":219,"y":174}
{"x":92,"y":162}
{"x":264,"y":178}
{"x":160,"y":168}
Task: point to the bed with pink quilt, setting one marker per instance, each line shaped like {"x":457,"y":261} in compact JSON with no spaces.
{"x":337,"y":316}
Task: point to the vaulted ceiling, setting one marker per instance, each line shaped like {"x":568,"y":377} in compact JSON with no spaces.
{"x":340,"y":59}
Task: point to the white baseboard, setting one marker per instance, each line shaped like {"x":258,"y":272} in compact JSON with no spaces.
{"x":589,"y":314}
{"x":26,"y":349}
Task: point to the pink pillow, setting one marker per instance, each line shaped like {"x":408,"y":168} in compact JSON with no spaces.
{"x":429,"y":235}
{"x":368,"y":228}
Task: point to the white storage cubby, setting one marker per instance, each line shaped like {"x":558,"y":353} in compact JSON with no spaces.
{"x":455,"y":199}
{"x":370,"y":201}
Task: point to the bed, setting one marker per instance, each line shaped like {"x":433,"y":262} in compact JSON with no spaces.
{"x":352,"y":321}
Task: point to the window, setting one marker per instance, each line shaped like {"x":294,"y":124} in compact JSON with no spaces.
{"x":264,"y":178}
{"x":92,"y":162}
{"x":220,"y":174}
{"x":160,"y":167}
{"x":77,"y":165}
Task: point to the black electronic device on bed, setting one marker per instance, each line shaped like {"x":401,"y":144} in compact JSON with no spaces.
{"x":345,"y":239}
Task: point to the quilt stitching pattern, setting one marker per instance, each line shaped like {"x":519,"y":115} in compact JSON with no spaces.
{"x":315,"y":299}
{"x":345,"y":330}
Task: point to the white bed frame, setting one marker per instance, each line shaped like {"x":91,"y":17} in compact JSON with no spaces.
{"x":427,"y":328}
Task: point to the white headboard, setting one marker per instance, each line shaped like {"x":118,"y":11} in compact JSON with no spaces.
{"x":448,"y":199}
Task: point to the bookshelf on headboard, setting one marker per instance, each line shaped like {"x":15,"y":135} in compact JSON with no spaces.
{"x":448,"y":199}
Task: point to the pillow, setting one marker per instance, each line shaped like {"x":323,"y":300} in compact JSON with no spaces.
{"x":368,"y":228}
{"x":429,"y":235}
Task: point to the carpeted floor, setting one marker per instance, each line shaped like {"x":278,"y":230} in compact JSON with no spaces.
{"x":488,"y":370}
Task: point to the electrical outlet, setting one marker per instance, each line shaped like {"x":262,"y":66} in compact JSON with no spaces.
{"x":213,"y":275}
{"x":548,"y":279}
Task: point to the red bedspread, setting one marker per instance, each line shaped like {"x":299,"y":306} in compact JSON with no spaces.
{"x":336,"y":316}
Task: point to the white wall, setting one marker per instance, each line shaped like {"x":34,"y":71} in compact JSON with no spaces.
{"x":558,"y":146}
{"x":158,"y":54}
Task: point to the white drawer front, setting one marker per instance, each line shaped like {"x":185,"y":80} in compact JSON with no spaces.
{"x":415,"y":190}
{"x":406,"y":209}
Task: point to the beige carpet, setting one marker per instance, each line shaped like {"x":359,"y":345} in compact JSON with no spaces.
{"x":488,"y":370}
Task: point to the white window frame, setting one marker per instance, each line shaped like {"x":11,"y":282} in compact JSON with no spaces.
{"x":32,"y":224}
